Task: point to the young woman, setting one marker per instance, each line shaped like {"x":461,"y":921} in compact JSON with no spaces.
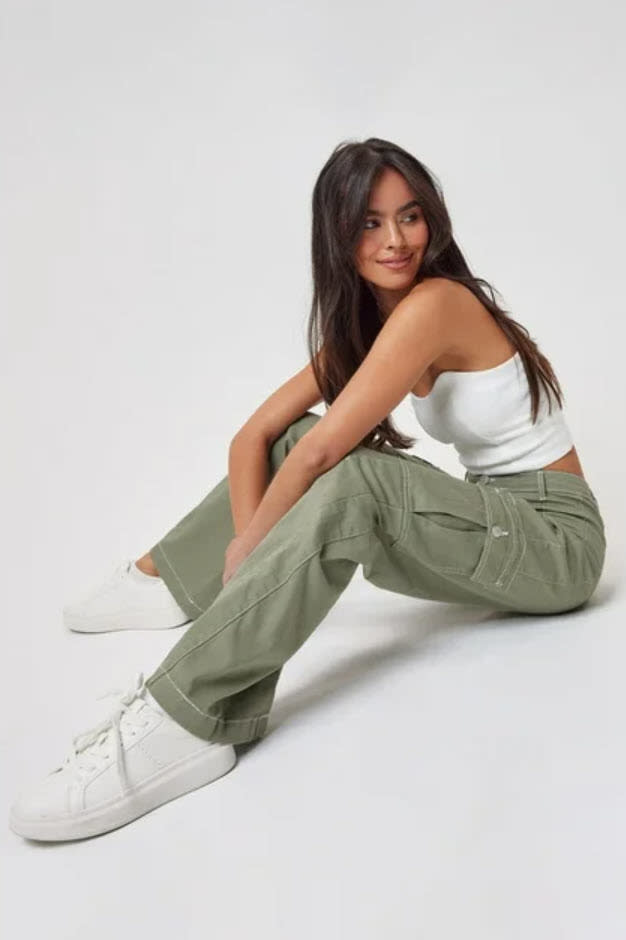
{"x":259,"y":562}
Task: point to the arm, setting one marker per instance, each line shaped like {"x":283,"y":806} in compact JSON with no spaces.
{"x":248,"y":476}
{"x":413,"y":336}
{"x":248,"y":466}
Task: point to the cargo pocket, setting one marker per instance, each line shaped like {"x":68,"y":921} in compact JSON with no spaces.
{"x":505,"y":544}
{"x":463,"y":528}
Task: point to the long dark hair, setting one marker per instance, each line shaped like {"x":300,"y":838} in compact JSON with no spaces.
{"x":345,"y":318}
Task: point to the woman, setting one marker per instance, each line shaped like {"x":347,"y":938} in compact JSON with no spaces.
{"x":260,"y":561}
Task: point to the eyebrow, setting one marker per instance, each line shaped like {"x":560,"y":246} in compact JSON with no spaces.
{"x":408,"y":205}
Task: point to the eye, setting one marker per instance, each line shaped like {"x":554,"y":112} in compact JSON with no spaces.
{"x":412,"y":217}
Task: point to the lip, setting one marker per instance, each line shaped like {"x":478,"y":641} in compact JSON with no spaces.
{"x":397,"y":264}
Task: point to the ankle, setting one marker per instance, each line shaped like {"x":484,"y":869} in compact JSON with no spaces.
{"x":146,"y":564}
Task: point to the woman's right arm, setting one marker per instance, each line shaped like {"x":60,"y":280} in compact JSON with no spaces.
{"x":248,"y":463}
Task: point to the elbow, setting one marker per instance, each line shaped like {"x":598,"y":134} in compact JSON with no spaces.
{"x":313,"y":459}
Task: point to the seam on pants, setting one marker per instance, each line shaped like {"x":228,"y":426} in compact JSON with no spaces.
{"x":517,"y":526}
{"x":436,"y":568}
{"x":524,"y":574}
{"x":224,"y":721}
{"x":541,"y":480}
{"x":180,"y":583}
{"x":515,"y":554}
{"x":342,"y":499}
{"x":405,"y":511}
{"x":258,"y":600}
{"x":531,"y":538}
{"x":478,"y":570}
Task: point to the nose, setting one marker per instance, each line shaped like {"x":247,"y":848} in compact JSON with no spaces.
{"x":393,"y":235}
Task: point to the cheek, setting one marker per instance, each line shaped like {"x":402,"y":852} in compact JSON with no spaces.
{"x":422,"y":234}
{"x":365,"y":251}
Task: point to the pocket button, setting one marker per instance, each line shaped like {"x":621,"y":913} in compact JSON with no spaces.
{"x":497,"y":531}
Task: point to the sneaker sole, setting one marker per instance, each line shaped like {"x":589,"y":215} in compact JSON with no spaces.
{"x":189,"y":774}
{"x":133,"y":620}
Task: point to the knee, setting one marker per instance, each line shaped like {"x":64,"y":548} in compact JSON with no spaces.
{"x":293,"y":433}
{"x":302,"y":424}
{"x":344,"y":479}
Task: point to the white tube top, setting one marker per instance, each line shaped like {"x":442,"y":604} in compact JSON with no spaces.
{"x":486,"y":415}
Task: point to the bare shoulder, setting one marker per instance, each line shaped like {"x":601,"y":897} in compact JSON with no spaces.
{"x":449,"y":303}
{"x":474,"y":340}
{"x":454,"y":297}
{"x":451,"y":293}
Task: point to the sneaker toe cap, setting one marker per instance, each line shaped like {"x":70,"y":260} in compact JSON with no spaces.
{"x":47,"y":799}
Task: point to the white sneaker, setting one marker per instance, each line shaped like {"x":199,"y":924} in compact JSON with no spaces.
{"x":132,"y":762}
{"x":128,"y":599}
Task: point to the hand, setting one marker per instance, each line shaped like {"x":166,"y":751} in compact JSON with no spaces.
{"x":235,"y":553}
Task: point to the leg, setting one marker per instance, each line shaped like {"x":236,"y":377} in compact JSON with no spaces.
{"x":190,"y":557}
{"x":534,"y":542}
{"x":146,"y":564}
{"x":219,"y":680}
{"x":416,"y":530}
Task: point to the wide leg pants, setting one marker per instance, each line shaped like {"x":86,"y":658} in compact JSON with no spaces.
{"x":532,"y":542}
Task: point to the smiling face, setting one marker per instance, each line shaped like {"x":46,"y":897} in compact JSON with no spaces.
{"x":394,"y":228}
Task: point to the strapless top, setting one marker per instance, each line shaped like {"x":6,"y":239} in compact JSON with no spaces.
{"x":485,"y":415}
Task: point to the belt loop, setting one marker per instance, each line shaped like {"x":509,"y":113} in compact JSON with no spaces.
{"x":541,"y":484}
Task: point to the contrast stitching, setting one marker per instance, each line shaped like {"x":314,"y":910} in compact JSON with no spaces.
{"x":258,"y":600}
{"x":487,"y":548}
{"x":518,"y":530}
{"x":449,"y":570}
{"x":541,"y":485}
{"x":331,"y":502}
{"x":582,"y":495}
{"x":531,"y":538}
{"x":508,"y":561}
{"x":525,"y":574}
{"x":165,"y":674}
{"x":175,"y":573}
{"x":341,"y":499}
{"x":438,"y":569}
{"x":405,"y":511}
{"x":425,"y":564}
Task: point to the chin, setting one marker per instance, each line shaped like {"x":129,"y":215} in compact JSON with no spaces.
{"x":396,"y":279}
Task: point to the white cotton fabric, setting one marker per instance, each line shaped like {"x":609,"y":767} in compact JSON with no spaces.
{"x":486,"y":415}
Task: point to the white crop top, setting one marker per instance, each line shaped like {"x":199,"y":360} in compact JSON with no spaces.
{"x":486,"y":415}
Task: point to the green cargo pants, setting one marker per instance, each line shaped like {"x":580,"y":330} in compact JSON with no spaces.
{"x":532,"y":542}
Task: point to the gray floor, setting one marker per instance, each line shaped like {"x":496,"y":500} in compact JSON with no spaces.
{"x":430,"y":771}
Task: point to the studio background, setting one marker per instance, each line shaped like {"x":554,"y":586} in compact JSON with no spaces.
{"x":435,"y":771}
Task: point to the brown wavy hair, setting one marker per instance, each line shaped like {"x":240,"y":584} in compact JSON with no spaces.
{"x":345,"y":318}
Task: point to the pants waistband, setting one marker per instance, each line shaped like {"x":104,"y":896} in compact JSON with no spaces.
{"x":538,"y":482}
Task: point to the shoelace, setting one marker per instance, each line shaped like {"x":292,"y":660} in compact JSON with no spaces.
{"x":89,"y":749}
{"x":120,"y":570}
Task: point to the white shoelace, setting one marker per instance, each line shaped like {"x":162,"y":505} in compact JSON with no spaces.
{"x":120,"y":571}
{"x":90,"y":749}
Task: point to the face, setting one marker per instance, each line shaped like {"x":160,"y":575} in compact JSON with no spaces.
{"x":394,"y":228}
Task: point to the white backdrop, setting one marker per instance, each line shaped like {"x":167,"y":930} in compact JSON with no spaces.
{"x":157,"y":164}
